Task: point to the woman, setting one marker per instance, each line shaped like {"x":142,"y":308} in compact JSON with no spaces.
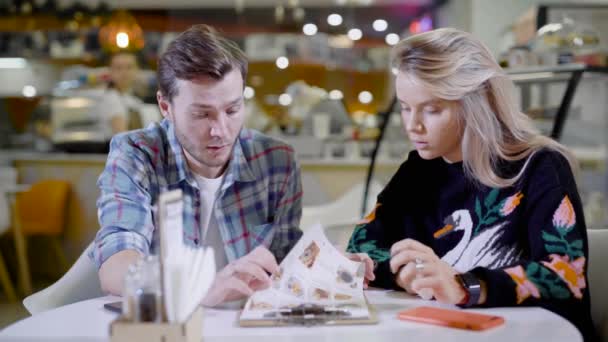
{"x":485,"y":211}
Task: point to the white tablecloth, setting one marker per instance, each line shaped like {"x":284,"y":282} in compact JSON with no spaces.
{"x":89,"y":321}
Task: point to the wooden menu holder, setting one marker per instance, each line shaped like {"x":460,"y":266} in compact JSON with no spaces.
{"x":122,"y":330}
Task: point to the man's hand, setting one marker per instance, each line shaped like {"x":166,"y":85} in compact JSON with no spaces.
{"x":369,"y":266}
{"x":113,"y":270}
{"x":242,"y":277}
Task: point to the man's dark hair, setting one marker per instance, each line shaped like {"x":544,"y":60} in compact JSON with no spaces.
{"x":198,"y":51}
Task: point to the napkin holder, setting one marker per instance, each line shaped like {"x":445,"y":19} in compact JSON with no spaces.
{"x":123,"y":330}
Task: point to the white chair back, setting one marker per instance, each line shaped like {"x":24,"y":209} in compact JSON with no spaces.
{"x":340,"y":216}
{"x":598,"y":280}
{"x":79,"y":283}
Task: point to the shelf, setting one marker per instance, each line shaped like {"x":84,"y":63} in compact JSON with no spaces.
{"x":561,"y":68}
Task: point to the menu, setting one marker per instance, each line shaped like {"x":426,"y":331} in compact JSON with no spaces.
{"x":313,"y":272}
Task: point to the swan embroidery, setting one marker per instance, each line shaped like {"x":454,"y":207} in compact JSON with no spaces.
{"x":483,"y":249}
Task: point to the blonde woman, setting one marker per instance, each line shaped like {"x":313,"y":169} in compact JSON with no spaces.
{"x":485,"y":211}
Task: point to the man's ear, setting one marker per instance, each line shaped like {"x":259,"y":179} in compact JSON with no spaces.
{"x":163,"y":105}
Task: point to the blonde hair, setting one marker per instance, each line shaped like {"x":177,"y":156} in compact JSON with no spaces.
{"x":455,"y":66}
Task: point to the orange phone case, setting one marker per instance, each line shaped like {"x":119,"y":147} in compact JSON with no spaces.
{"x":451,"y":318}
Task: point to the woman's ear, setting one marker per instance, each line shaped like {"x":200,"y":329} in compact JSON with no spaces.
{"x":163,"y":105}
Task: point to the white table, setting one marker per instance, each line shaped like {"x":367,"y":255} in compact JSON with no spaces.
{"x":89,"y":321}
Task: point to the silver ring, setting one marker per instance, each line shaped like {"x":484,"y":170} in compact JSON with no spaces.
{"x":419,"y":264}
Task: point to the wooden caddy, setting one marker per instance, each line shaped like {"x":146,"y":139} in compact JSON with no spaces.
{"x":122,"y":330}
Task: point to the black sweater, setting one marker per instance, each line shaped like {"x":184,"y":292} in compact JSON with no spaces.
{"x":528,"y":242}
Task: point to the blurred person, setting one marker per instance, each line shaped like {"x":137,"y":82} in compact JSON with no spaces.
{"x":485,"y":211}
{"x":242,"y":189}
{"x":119,"y":109}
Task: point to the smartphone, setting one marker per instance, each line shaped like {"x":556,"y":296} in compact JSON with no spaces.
{"x":114,"y":307}
{"x":451,"y":318}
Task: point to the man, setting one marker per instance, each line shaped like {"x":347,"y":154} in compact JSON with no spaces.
{"x":242,"y":190}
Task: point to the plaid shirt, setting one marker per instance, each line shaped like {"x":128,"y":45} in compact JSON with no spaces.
{"x":259,"y":203}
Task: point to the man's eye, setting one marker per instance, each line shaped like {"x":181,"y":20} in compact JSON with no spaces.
{"x":200,"y":115}
{"x":232,"y":111}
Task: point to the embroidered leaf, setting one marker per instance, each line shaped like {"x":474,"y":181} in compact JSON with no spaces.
{"x":495,"y":209}
{"x":578,"y":244}
{"x":357,"y":244}
{"x":491,"y":198}
{"x":380,"y":255}
{"x":559,"y":292}
{"x":542,"y":289}
{"x":358,"y":236}
{"x":556,"y":249}
{"x":360,"y":232}
{"x":550,"y":237}
{"x":546,"y":281}
{"x":544,"y":272}
{"x":532,"y":268}
{"x":478,"y":209}
{"x":490,"y":220}
{"x":576,"y":254}
{"x":367,"y":247}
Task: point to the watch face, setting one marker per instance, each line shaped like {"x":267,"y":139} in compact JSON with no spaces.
{"x":472,"y":286}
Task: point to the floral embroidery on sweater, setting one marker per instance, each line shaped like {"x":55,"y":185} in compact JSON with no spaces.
{"x":567,"y":261}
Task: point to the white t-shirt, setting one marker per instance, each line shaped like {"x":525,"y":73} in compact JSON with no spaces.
{"x":209,"y":190}
{"x":115,"y":104}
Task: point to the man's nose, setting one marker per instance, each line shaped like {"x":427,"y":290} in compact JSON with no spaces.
{"x":217,"y":127}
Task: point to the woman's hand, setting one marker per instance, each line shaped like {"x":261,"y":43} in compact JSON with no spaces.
{"x":369,"y":266}
{"x":418,"y":270}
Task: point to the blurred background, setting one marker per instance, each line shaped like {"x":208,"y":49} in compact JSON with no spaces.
{"x":319,"y":78}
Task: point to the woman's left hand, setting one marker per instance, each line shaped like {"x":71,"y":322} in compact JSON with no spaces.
{"x":431,"y":272}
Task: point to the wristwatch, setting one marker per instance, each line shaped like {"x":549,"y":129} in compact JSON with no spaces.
{"x":472,"y":287}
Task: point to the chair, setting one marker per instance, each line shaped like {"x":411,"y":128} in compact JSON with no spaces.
{"x":41,"y":210}
{"x":79,"y":283}
{"x":598,"y":280}
{"x":8,"y":178}
{"x":340,"y":216}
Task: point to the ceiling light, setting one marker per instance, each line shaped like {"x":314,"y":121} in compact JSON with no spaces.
{"x":29,"y":91}
{"x":334,"y":19}
{"x":355,"y":34}
{"x":282,"y":62}
{"x":284,"y":99}
{"x":380,"y":25}
{"x":336,"y":95}
{"x":248,"y":93}
{"x":365,"y":97}
{"x":309,"y":29}
{"x":392,"y":39}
